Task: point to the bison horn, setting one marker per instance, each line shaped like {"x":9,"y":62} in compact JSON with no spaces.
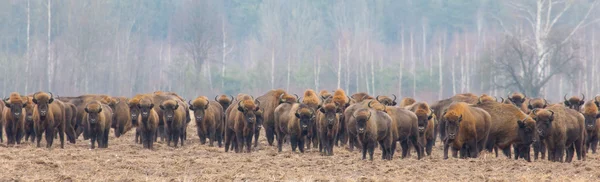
{"x":377,"y":98}
{"x":583,"y":97}
{"x":369,"y":116}
{"x":34,"y":95}
{"x":216,"y":98}
{"x":534,"y":110}
{"x":281,"y":96}
{"x":496,"y":98}
{"x":552,"y":115}
{"x":190,"y":102}
{"x":118,"y":101}
{"x":545,"y":103}
{"x":508,"y":96}
{"x":529,"y":103}
{"x":502,"y":99}
{"x":240,"y":103}
{"x":349,"y":99}
{"x":51,"y":96}
{"x":369,"y":105}
{"x":394,"y":97}
{"x":479,"y":100}
{"x":257,"y":102}
{"x":252,"y":97}
{"x":297,"y":98}
{"x":565,"y":97}
{"x":524,"y":96}
{"x":231,"y":98}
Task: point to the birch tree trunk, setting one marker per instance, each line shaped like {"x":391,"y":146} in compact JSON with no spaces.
{"x":339,"y":70}
{"x":27,"y":52}
{"x":273,"y":68}
{"x":287,"y":82}
{"x":401,"y":65}
{"x":594,"y":65}
{"x":414,"y":63}
{"x":440,"y":65}
{"x":50,"y":64}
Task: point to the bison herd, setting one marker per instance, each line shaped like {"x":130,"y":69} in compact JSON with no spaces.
{"x":466,"y":123}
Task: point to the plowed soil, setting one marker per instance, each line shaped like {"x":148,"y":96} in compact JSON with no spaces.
{"x":126,"y":161}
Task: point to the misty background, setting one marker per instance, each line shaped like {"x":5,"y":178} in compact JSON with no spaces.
{"x":427,"y":49}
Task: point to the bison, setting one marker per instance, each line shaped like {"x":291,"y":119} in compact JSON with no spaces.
{"x":467,"y":129}
{"x":342,"y":101}
{"x":407,"y":102}
{"x":592,"y":125}
{"x":147,"y":122}
{"x":509,"y":126}
{"x":98,"y":119}
{"x":14,"y":117}
{"x":29,"y":129}
{"x":209,"y":120}
{"x":224,"y":101}
{"x":241,"y":123}
{"x":518,"y":99}
{"x":562,"y":129}
{"x":328,"y":124}
{"x":49,"y":117}
{"x":361,"y":96}
{"x":574,"y":102}
{"x":405,"y":129}
{"x":295,"y":120}
{"x":385,"y":100}
{"x":374,"y":127}
{"x":269,"y":102}
{"x":426,"y":124}
{"x":324,"y":94}
{"x":440,"y":106}
{"x":312,"y":100}
{"x":175,"y":119}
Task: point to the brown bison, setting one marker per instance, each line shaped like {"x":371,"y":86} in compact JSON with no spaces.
{"x":592,"y":125}
{"x":407,"y":102}
{"x":287,"y":98}
{"x":122,"y":121}
{"x":295,"y":120}
{"x":385,"y":100}
{"x":209,"y":120}
{"x":519,"y":100}
{"x":360,"y":96}
{"x":49,"y":117}
{"x":324,"y":94}
{"x":440,"y":106}
{"x":405,"y":129}
{"x":29,"y":129}
{"x":574,"y":102}
{"x":467,"y":129}
{"x":241,"y":124}
{"x":562,"y":129}
{"x":537,"y":103}
{"x":342,"y":101}
{"x":224,"y":101}
{"x":175,"y":119}
{"x":97,"y":119}
{"x":509,"y":126}
{"x":269,"y":102}
{"x":597,"y":101}
{"x":426,"y":124}
{"x":14,"y":117}
{"x":147,"y":122}
{"x":2,"y":105}
{"x":312,"y":100}
{"x":328,"y":126}
{"x":80,"y":102}
{"x":374,"y":127}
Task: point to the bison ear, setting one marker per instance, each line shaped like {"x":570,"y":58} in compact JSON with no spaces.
{"x":530,"y":107}
{"x":347,"y":104}
{"x":322,"y":110}
{"x":86,"y":110}
{"x":151,"y":106}
{"x":597,"y":115}
{"x":206,"y":107}
{"x":257,"y":108}
{"x":162,"y":107}
{"x":394,"y":103}
{"x":581,"y":102}
{"x":192,"y":107}
{"x":567,"y":103}
{"x":34,"y":100}
{"x":100,"y":110}
{"x":176,"y":106}
{"x":297,"y":115}
{"x":240,"y":109}
{"x":429,"y":117}
{"x":51,"y":100}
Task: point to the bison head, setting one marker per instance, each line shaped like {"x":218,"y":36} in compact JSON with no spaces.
{"x":386,"y":100}
{"x":224,"y":100}
{"x":307,"y":116}
{"x":452,"y":126}
{"x":526,"y":130}
{"x":330,"y":111}
{"x":93,"y":111}
{"x":248,"y":109}
{"x":362,"y":117}
{"x":537,"y":103}
{"x":42,"y":100}
{"x":259,"y":119}
{"x":423,"y":118}
{"x":145,"y":107}
{"x":574,"y":102}
{"x":543,"y":119}
{"x":199,"y":106}
{"x":169,"y":107}
{"x":16,"y":105}
{"x":134,"y":110}
{"x":517,"y":99}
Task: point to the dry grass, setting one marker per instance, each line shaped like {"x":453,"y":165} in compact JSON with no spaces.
{"x":126,"y":161}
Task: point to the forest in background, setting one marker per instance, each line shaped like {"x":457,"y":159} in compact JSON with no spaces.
{"x":427,"y":49}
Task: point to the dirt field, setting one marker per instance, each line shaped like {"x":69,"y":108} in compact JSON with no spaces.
{"x":126,"y":161}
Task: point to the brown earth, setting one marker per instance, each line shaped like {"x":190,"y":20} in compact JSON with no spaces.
{"x":126,"y":161}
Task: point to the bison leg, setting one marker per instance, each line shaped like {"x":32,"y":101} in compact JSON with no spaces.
{"x":301,"y":142}
{"x":270,"y":134}
{"x":371,"y":151}
{"x":228,"y":139}
{"x":38,"y":134}
{"x":93,"y":138}
{"x":364,"y":152}
{"x":212,"y":136}
{"x":239,"y":145}
{"x":70,"y":131}
{"x":49,"y":136}
{"x":105,"y":137}
{"x":294,"y":142}
{"x":594,"y":144}
{"x":9,"y":133}
{"x":446,"y":146}
{"x":506,"y":151}
{"x":579,"y":149}
{"x":404,"y":145}
{"x":175,"y":135}
{"x":1,"y":129}
{"x":473,"y":149}
{"x":429,"y":147}
{"x":279,"y":143}
{"x":248,"y":143}
{"x":417,"y":145}
{"x":256,"y":135}
{"x":570,"y":153}
{"x":61,"y":133}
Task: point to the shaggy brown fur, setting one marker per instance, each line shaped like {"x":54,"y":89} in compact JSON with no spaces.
{"x":295,"y":120}
{"x":147,"y":122}
{"x":486,"y":98}
{"x":328,"y":126}
{"x":224,"y":101}
{"x":407,"y":102}
{"x":97,"y":119}
{"x":561,"y":129}
{"x":49,"y":117}
{"x":209,"y":120}
{"x":440,"y":106}
{"x":324,"y":94}
{"x":387,"y":100}
{"x":175,"y":119}
{"x":241,"y":124}
{"x":537,"y":103}
{"x":14,"y":117}
{"x":574,"y":102}
{"x":374,"y":127}
{"x":592,"y":125}
{"x":426,"y":121}
{"x":519,"y":100}
{"x":509,"y":126}
{"x":80,"y":102}
{"x":269,"y":101}
{"x":359,"y":97}
{"x":29,"y":130}
{"x":342,"y":101}
{"x":405,"y":129}
{"x":467,"y":129}
{"x":122,"y":119}
{"x":312,"y":100}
